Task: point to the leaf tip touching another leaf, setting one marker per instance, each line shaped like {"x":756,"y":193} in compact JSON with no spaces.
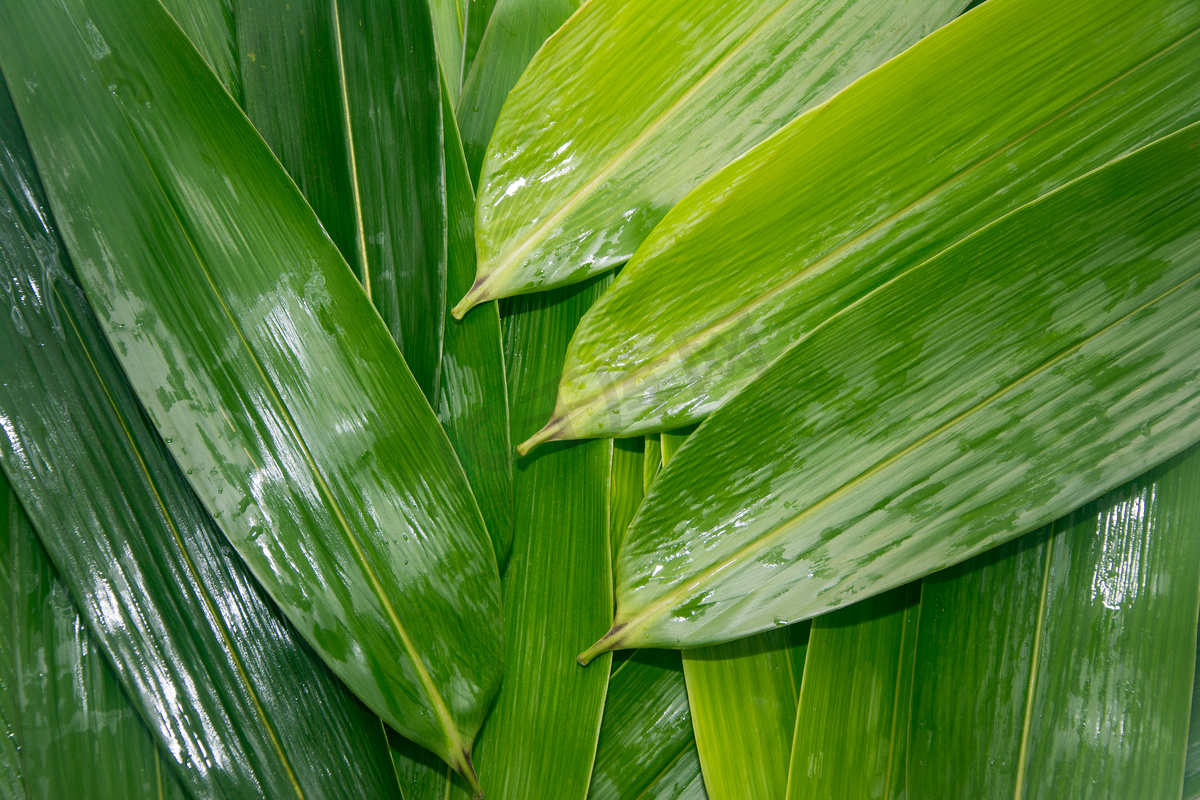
{"x":556,"y":429}
{"x":463,"y":766}
{"x":608,"y":642}
{"x":478,"y":293}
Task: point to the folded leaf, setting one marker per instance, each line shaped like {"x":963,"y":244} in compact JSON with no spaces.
{"x":260,"y":360}
{"x":743,"y":698}
{"x":973,"y":398}
{"x":852,"y":717}
{"x":79,"y":734}
{"x":1061,"y":665}
{"x":515,"y":31}
{"x":647,"y":730}
{"x":237,"y":701}
{"x":990,"y":112}
{"x":540,"y":739}
{"x":631,"y":104}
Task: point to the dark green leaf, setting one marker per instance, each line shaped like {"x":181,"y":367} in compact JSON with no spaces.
{"x":211,"y":27}
{"x":236,"y":699}
{"x":1061,"y":665}
{"x":632,"y":103}
{"x":627,"y":485}
{"x":977,"y":396}
{"x":260,"y":360}
{"x":990,"y":112}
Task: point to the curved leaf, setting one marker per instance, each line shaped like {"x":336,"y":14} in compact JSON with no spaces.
{"x":1061,"y":665}
{"x":515,"y":31}
{"x":996,"y":109}
{"x":260,"y":360}
{"x":236,"y":699}
{"x":80,"y":736}
{"x":631,"y":104}
{"x":972,"y":398}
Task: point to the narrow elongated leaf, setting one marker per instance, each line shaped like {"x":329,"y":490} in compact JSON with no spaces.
{"x":1191,"y":768}
{"x":852,"y":717}
{"x":450,"y":19}
{"x":743,"y":699}
{"x":1082,"y":688}
{"x":988,"y":113}
{"x":647,"y":730}
{"x":211,"y":26}
{"x":238,"y":702}
{"x":12,"y":782}
{"x":540,"y":739}
{"x":515,"y":31}
{"x":260,"y":360}
{"x":80,"y":736}
{"x":479,"y":13}
{"x":627,"y":486}
{"x":631,"y":104}
{"x":973,"y":398}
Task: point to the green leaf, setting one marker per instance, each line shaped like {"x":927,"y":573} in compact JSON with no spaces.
{"x":627,"y":485}
{"x":632,"y":104}
{"x":969,"y":400}
{"x":515,"y":31}
{"x":211,"y":26}
{"x":479,"y":12}
{"x":743,"y":699}
{"x":1075,"y":648}
{"x":647,"y":731}
{"x":12,"y":782}
{"x":234,"y":696}
{"x":79,"y":734}
{"x":852,"y":717}
{"x":991,"y":112}
{"x":450,"y":19}
{"x":261,"y":362}
{"x":540,"y":739}
{"x":1191,"y":769}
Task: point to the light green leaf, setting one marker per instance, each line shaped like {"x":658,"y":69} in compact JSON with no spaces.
{"x":992,"y":111}
{"x":515,"y":31}
{"x":743,"y":699}
{"x":540,"y":739}
{"x":236,"y":699}
{"x":971,"y":399}
{"x":631,"y":104}
{"x":646,"y":739}
{"x":1061,"y":665}
{"x":852,"y":717}
{"x":80,"y":737}
{"x":627,"y":485}
{"x":450,"y":21}
{"x":260,"y":360}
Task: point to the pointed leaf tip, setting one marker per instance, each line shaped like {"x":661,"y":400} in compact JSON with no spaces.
{"x":554,"y":430}
{"x":478,"y":293}
{"x":607,"y":642}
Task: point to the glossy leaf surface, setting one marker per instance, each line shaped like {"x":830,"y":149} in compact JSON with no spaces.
{"x":743,"y":697}
{"x":626,"y":487}
{"x":261,"y":362}
{"x":211,"y":26}
{"x":986,"y":114}
{"x":1191,"y":767}
{"x":852,"y":716}
{"x":514,"y":33}
{"x":235,"y":698}
{"x":970,"y":400}
{"x":647,"y":730}
{"x":80,"y":737}
{"x":540,"y":738}
{"x":1082,"y":687}
{"x":450,"y":19}
{"x":631,"y":104}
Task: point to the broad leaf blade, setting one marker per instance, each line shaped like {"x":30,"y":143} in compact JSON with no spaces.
{"x":80,"y":736}
{"x":540,"y":739}
{"x":852,"y":716}
{"x":207,"y":659}
{"x":647,"y":730}
{"x":973,"y":398}
{"x":515,"y":31}
{"x":288,"y":405}
{"x":743,"y":699}
{"x":631,"y":104}
{"x":1083,"y":687}
{"x":990,"y":112}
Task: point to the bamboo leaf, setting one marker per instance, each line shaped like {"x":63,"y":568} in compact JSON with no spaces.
{"x":1082,"y":686}
{"x":991,"y":112}
{"x":743,"y":699}
{"x":646,"y":741}
{"x":971,"y":399}
{"x":540,"y":739}
{"x":631,"y":104}
{"x":852,"y":716}
{"x":237,"y":701}
{"x":80,"y":736}
{"x":515,"y":31}
{"x":261,"y":362}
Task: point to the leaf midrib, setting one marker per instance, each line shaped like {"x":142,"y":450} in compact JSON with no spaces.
{"x":693,"y":342}
{"x":784,"y":527}
{"x":1027,"y":722}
